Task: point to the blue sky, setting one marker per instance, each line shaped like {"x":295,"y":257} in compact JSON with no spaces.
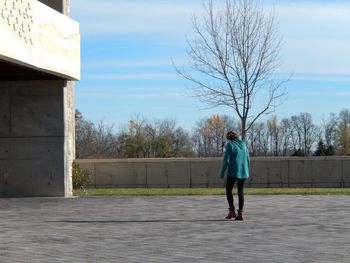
{"x":127,"y":47}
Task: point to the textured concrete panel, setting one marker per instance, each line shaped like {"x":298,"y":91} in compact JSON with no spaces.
{"x":258,"y":174}
{"x":31,"y":148}
{"x":4,"y":112}
{"x":327,"y":173}
{"x":157,"y":174}
{"x":200,"y":174}
{"x":284,"y":172}
{"x":268,"y":173}
{"x":178,"y":174}
{"x":215,"y":167}
{"x":300,"y":173}
{"x":120,"y":174}
{"x":345,"y":173}
{"x":37,"y":116}
{"x":36,"y":87}
{"x":31,"y":178}
{"x":32,"y":108}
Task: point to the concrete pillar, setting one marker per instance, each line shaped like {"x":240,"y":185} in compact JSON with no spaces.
{"x":69,"y":134}
{"x":37,"y":138}
{"x":63,"y":6}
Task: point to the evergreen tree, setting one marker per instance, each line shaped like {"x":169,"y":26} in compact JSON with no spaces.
{"x":330,"y":151}
{"x":321,"y":149}
{"x":298,"y":152}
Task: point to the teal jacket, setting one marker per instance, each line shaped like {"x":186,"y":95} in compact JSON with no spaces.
{"x":236,"y":159}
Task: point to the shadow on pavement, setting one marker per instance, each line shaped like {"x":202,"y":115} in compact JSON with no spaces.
{"x":136,"y":221}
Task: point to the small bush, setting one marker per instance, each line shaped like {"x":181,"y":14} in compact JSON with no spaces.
{"x":80,"y":177}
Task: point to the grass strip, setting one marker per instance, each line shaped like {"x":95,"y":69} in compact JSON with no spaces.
{"x":206,"y":191}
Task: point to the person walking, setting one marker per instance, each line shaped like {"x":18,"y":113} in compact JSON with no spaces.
{"x":236,"y":162}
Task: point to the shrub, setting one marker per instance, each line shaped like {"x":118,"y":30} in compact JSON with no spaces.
{"x":298,"y":152}
{"x":80,"y":177}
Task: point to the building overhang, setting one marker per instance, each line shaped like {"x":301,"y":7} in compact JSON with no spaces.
{"x":37,"y":42}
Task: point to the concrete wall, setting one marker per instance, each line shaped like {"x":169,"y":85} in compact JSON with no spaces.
{"x":204,"y":172}
{"x":32,"y":138}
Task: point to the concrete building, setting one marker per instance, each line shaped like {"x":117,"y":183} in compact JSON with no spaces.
{"x":39,"y":59}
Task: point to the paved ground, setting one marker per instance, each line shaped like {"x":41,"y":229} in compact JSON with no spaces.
{"x":175,"y":229}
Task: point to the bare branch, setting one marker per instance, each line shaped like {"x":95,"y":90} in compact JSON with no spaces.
{"x":234,"y":53}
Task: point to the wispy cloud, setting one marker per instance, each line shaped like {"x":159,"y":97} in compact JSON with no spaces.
{"x":316,"y":36}
{"x":106,"y":17}
{"x":141,"y":63}
{"x":142,"y":96}
{"x":130,"y":76}
{"x":314,"y":76}
{"x":323,"y":93}
{"x":316,"y":33}
{"x":326,"y":56}
{"x":320,"y":19}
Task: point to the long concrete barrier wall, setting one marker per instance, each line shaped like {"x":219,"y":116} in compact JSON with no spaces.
{"x":204,"y":172}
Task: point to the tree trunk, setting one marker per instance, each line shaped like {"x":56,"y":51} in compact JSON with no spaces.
{"x":243,"y":129}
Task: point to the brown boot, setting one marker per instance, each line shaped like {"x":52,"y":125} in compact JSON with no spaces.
{"x":239,"y":216}
{"x":231,"y":213}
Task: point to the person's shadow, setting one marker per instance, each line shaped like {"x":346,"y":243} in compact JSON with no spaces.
{"x":136,"y":221}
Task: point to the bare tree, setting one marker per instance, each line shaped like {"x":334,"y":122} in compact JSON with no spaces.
{"x":257,"y":139}
{"x":161,"y":138}
{"x":330,"y":131}
{"x":235,"y":50}
{"x":286,"y":136}
{"x":310,"y":132}
{"x":84,"y":136}
{"x":135,"y":141}
{"x":94,"y":140}
{"x":304,"y":133}
{"x":296,"y":134}
{"x":344,"y":131}
{"x":105,"y":143}
{"x":210,"y":133}
{"x":274,"y":134}
{"x":171,"y":140}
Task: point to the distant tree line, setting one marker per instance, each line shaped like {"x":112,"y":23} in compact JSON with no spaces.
{"x":141,"y":138}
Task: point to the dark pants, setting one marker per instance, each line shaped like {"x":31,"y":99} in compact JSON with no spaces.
{"x":240,"y":186}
